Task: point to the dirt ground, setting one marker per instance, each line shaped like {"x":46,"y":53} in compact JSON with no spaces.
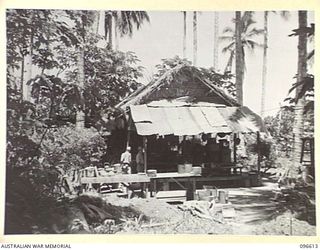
{"x":257,"y":212}
{"x":163,"y":218}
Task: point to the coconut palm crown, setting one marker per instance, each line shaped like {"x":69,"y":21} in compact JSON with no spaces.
{"x":248,"y":34}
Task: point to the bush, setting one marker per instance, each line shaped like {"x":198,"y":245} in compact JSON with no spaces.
{"x":69,"y":148}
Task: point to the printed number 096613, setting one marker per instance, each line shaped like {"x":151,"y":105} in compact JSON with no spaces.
{"x":308,"y":246}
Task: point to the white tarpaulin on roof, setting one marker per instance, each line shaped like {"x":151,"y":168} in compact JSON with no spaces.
{"x":177,"y":120}
{"x":193,"y":120}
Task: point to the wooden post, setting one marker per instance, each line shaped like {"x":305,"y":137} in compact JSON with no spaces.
{"x":129,"y":134}
{"x":312,"y":151}
{"x":234,"y":148}
{"x":302,"y":149}
{"x":145,"y":146}
{"x":259,"y":152}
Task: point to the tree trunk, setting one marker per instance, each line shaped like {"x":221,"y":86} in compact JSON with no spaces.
{"x":110,"y":31}
{"x":116,"y":38}
{"x":28,"y":74}
{"x":216,"y":41}
{"x":28,"y":64}
{"x":195,"y":39}
{"x":298,"y":110}
{"x":22,"y":79}
{"x":80,"y":114}
{"x":108,"y":27}
{"x":81,"y":77}
{"x":264,"y":64}
{"x":239,"y":59}
{"x":184,"y":34}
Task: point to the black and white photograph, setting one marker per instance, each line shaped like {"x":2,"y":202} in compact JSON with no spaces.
{"x":160,"y":122}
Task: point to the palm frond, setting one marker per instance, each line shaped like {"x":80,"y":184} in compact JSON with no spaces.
{"x":229,"y":47}
{"x":128,"y":19}
{"x":228,"y":30}
{"x":226,"y":38}
{"x":255,"y":32}
{"x":285,"y":14}
{"x":252,"y":44}
{"x":228,"y":67}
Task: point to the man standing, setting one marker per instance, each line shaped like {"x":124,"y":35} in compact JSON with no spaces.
{"x":140,"y":160}
{"x":126,"y":161}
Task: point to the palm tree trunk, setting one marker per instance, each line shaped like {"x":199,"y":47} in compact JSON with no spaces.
{"x":110,"y":31}
{"x":22,"y":78}
{"x":28,"y":71}
{"x":184,"y":34}
{"x":216,"y":41}
{"x":195,"y":39}
{"x":264,"y":64}
{"x":80,"y":114}
{"x":98,"y":22}
{"x":298,"y":110}
{"x":116,"y":38}
{"x":108,"y":27}
{"x":81,"y":78}
{"x":239,"y":59}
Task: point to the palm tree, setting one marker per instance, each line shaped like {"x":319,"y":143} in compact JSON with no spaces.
{"x":302,"y":74}
{"x":116,"y":36}
{"x":184,"y":34}
{"x":264,"y":63}
{"x":108,"y":27}
{"x":285,"y":15}
{"x":240,"y":38}
{"x":195,"y":39}
{"x":124,"y":22}
{"x":216,"y":40}
{"x":239,"y":57}
{"x":83,"y":26}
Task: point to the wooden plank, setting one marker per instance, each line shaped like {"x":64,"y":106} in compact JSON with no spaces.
{"x":174,"y":175}
{"x":174,"y":200}
{"x":116,"y":179}
{"x":259,"y":152}
{"x":223,"y":178}
{"x":229,"y":212}
{"x":171,"y":194}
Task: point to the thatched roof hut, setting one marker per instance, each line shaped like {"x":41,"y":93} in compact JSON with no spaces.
{"x":183,"y":102}
{"x":181,"y":81}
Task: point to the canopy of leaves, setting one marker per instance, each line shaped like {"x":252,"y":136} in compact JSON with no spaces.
{"x":42,"y":142}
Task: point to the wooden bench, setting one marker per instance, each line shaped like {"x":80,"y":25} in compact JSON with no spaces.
{"x":172,"y":196}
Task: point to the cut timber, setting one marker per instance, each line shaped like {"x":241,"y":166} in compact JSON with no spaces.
{"x":172,"y":196}
{"x":160,"y":224}
{"x":228,"y":212}
{"x":220,"y":207}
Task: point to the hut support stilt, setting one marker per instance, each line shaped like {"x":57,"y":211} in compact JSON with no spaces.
{"x":234,"y":148}
{"x":259,"y":154}
{"x":145,"y":146}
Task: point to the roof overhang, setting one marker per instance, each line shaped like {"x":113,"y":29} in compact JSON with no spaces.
{"x":193,"y":119}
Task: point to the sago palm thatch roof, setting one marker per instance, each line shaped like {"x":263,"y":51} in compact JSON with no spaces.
{"x":183,"y":102}
{"x":181,"y":81}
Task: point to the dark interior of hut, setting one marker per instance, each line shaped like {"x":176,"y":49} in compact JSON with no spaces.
{"x":166,"y":153}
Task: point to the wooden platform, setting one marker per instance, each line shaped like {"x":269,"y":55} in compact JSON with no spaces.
{"x":224,"y":178}
{"x":174,"y":175}
{"x":117,"y":178}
